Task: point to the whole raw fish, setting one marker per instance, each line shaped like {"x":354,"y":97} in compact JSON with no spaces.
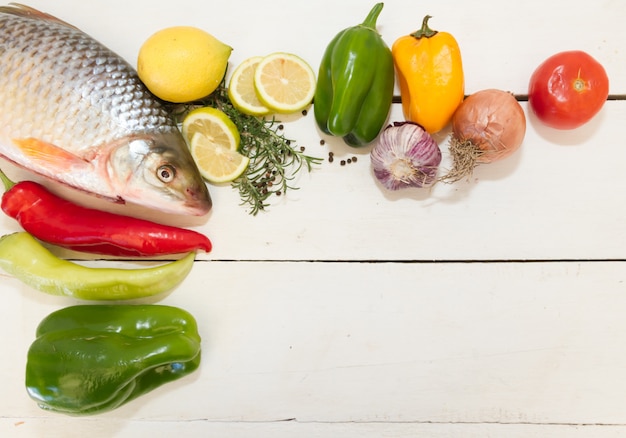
{"x":74,"y":111}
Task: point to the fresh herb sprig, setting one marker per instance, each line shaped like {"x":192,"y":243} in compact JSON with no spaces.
{"x":274,"y":161}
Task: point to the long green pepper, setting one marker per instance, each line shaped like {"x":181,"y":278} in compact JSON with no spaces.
{"x":355,"y":83}
{"x":24,"y":257}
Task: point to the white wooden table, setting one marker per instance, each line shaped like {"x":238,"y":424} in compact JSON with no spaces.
{"x":489,"y":308}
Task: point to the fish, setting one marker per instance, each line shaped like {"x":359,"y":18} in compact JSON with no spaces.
{"x":76,"y":113}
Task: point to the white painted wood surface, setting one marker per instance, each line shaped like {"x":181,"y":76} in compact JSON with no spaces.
{"x":489,"y":308}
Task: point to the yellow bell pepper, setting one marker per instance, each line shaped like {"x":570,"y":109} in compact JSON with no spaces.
{"x":430,"y":75}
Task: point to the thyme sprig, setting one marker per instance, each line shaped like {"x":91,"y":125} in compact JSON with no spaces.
{"x":274,"y":161}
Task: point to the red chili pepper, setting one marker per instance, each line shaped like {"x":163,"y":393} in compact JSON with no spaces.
{"x":58,"y":221}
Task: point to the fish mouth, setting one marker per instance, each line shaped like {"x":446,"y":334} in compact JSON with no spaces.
{"x":199,"y":200}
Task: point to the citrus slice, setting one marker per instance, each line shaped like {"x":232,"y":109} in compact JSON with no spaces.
{"x":241,"y":89}
{"x":284,"y":82}
{"x":212,"y":124}
{"x":217,"y":164}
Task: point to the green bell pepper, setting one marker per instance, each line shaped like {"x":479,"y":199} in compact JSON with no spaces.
{"x":88,"y":359}
{"x":24,"y":257}
{"x":355,"y":83}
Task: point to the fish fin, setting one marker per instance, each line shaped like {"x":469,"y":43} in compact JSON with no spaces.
{"x":48,"y":154}
{"x":27,"y":11}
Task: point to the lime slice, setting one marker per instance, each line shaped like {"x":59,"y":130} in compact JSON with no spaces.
{"x":212,"y":124}
{"x":217,"y":164}
{"x":241,"y":89}
{"x":284,"y":82}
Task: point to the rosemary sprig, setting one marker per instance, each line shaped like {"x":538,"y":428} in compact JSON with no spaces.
{"x":274,"y":161}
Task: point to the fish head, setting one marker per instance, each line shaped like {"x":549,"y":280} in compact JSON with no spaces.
{"x":157,"y":171}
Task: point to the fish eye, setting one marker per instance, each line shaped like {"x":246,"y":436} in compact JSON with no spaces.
{"x":166,"y":173}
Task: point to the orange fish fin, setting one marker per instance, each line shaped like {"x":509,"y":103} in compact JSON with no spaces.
{"x":48,"y":154}
{"x":27,"y":11}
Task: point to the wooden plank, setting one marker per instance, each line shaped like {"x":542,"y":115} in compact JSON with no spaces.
{"x":58,"y":428}
{"x":529,"y":343}
{"x":556,"y":198}
{"x":498,"y":52}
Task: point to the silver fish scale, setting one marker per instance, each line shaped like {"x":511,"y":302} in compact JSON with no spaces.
{"x":59,"y":85}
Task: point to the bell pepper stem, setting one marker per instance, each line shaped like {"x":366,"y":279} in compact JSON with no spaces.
{"x":8,"y":184}
{"x":370,"y":20}
{"x":425,"y":31}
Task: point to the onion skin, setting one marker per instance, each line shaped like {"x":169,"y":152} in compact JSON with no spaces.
{"x":405,"y":156}
{"x":493,"y":121}
{"x":488,"y":126}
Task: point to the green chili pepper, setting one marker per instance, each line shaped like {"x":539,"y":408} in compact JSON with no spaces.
{"x":24,"y":257}
{"x":89,"y":359}
{"x":355,"y":83}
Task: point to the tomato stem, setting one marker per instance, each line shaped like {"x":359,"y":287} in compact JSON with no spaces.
{"x":425,"y":31}
{"x":579,"y":83}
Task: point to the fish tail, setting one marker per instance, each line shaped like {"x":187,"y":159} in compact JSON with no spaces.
{"x":21,"y":10}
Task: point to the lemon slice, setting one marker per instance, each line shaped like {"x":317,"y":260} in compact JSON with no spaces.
{"x":217,"y":164}
{"x":241,"y":89}
{"x":284,"y":82}
{"x":212,"y":124}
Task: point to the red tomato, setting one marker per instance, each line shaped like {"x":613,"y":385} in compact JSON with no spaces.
{"x":568,"y":89}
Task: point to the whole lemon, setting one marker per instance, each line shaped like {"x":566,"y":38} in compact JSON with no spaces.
{"x":182,"y":63}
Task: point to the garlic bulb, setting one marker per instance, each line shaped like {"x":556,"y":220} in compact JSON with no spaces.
{"x":405,"y":155}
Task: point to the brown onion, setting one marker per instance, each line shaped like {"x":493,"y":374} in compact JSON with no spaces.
{"x":488,"y":126}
